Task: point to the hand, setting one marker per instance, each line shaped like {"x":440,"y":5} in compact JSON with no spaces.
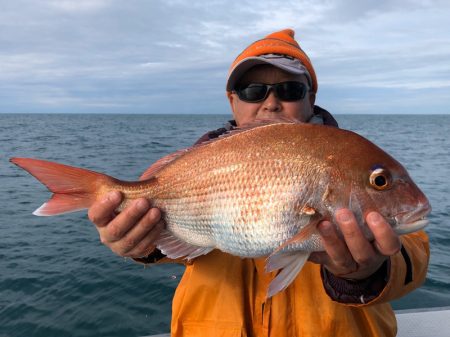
{"x":351,"y":255}
{"x":131,"y":233}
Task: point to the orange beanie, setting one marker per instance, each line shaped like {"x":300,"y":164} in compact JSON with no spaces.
{"x":283,"y":43}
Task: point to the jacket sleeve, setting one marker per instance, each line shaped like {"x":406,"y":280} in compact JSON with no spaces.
{"x":156,"y":257}
{"x":403,"y":272}
{"x":408,"y":268}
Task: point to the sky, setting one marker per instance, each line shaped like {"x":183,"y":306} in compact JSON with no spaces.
{"x":172,"y":56}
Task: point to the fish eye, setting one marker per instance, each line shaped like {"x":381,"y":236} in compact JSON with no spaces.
{"x":380,"y":179}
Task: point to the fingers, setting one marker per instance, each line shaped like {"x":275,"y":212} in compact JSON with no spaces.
{"x":319,"y":258}
{"x":337,"y":252}
{"x":102,"y":212}
{"x":358,"y":245}
{"x":147,"y":244}
{"x":140,"y":239}
{"x":132,"y":232}
{"x":351,"y":254}
{"x":386,"y":241}
{"x":124,"y":221}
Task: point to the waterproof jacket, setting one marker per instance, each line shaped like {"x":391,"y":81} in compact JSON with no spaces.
{"x":224,"y":295}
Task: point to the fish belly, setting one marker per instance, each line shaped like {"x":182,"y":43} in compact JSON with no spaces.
{"x":247,"y":210}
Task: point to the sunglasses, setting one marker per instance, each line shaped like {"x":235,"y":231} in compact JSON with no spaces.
{"x":290,"y":91}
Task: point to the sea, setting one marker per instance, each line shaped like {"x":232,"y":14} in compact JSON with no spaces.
{"x":57,"y":279}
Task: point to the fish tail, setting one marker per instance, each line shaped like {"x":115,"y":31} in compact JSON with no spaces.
{"x":73,"y":188}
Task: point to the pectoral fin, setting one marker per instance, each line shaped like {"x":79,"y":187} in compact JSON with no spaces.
{"x":288,"y":258}
{"x":176,"y":248}
{"x":297,"y":241}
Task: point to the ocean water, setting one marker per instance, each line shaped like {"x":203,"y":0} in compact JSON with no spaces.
{"x":57,"y":279}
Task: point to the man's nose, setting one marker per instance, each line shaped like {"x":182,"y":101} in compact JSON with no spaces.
{"x":271,"y":103}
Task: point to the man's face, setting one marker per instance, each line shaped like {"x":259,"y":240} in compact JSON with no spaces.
{"x":272,"y":107}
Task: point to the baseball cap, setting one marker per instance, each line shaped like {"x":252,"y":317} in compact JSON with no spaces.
{"x":283,"y":62}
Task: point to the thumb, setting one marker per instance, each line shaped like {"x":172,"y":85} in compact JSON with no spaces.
{"x":319,"y":258}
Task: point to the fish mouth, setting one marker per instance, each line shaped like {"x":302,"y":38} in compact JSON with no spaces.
{"x":409,"y":222}
{"x":410,"y":227}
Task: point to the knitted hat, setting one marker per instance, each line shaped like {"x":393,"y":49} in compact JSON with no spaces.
{"x":284,"y":46}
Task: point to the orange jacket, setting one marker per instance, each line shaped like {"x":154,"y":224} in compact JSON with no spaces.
{"x":223,"y":295}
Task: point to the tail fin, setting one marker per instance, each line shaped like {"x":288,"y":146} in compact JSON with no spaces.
{"x":74,"y":188}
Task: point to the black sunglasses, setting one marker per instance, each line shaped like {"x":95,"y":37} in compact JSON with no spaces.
{"x":290,"y":91}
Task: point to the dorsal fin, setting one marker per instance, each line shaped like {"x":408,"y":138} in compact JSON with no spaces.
{"x":160,"y":163}
{"x":268,"y":121}
{"x":249,"y":126}
{"x":259,"y":123}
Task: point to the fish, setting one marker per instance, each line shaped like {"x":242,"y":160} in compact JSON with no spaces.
{"x":258,"y":191}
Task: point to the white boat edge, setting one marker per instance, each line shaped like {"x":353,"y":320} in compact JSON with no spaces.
{"x":423,"y":322}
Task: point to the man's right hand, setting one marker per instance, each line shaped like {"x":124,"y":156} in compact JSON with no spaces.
{"x":131,"y":233}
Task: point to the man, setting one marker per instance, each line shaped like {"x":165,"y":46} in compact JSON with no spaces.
{"x":342,"y":291}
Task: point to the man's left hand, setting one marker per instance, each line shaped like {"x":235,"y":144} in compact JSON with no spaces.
{"x":351,"y":255}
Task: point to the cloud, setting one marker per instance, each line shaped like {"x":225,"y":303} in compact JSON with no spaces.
{"x":173,"y":56}
{"x":79,"y":5}
{"x":397,"y":41}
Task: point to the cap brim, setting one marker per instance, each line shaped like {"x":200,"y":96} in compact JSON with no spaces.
{"x":242,"y":67}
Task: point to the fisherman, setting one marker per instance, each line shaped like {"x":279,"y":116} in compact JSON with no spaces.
{"x":344,"y":291}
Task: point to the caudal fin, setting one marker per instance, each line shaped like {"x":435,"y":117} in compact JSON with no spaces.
{"x":74,"y":188}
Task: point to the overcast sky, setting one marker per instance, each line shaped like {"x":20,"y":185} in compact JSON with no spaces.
{"x":172,"y":56}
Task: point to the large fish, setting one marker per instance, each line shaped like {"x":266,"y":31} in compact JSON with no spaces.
{"x":256,"y":192}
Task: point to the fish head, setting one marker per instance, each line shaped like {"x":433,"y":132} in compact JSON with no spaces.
{"x":394,"y":194}
{"x":378,"y":182}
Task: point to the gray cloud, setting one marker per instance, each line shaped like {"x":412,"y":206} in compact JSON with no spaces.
{"x":173,"y":56}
